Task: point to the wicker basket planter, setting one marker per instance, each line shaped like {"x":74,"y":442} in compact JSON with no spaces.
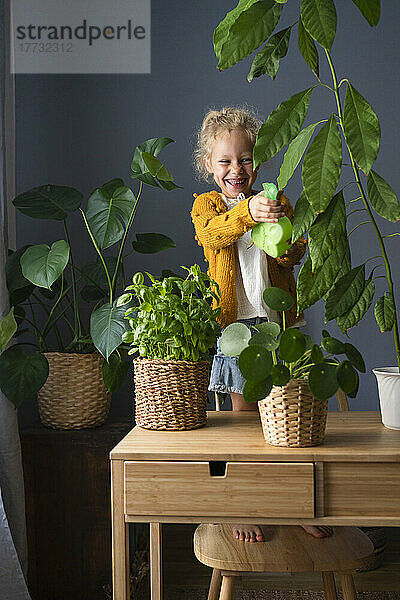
{"x":170,"y":394}
{"x":291,"y":416}
{"x":74,"y":395}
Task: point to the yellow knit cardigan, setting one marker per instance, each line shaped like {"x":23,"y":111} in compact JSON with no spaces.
{"x":217,"y":230}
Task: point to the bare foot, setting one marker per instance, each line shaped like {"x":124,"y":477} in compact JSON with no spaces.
{"x":248,"y":533}
{"x":318,"y":531}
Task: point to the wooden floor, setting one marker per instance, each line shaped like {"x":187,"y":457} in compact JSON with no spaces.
{"x":181,"y":569}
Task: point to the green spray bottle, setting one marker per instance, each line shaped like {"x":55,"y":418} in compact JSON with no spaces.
{"x":272,"y":237}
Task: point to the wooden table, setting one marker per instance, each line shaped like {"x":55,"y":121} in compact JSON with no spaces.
{"x":226,"y":472}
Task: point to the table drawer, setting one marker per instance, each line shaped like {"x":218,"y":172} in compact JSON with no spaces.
{"x":190,"y":489}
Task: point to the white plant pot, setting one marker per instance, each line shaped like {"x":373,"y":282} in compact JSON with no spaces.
{"x":389,"y":395}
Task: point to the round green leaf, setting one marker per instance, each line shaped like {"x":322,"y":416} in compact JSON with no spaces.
{"x":277,"y":299}
{"x":355,"y":392}
{"x":48,"y":202}
{"x":355,"y":357}
{"x":332,"y":345}
{"x":280,"y":375}
{"x":309,"y":342}
{"x":264,"y":339}
{"x":269,"y":327}
{"x":323,"y":381}
{"x":22,"y":375}
{"x":42,"y":265}
{"x":253,"y":391}
{"x":317,"y":356}
{"x":234,"y":339}
{"x":347,"y":377}
{"x":292,"y":345}
{"x":255,"y":363}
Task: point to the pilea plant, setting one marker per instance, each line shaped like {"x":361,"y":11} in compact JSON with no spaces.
{"x":48,"y":283}
{"x":321,"y":210}
{"x":173,"y":318}
{"x":271,"y":357}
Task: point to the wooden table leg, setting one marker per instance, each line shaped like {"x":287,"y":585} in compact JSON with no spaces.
{"x":348,"y":588}
{"x":156,"y":583}
{"x":120,"y":534}
{"x":329,"y":585}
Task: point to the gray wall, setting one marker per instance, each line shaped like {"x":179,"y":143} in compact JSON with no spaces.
{"x":81,"y":131}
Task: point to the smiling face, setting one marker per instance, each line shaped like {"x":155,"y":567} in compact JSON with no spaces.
{"x":231,"y":164}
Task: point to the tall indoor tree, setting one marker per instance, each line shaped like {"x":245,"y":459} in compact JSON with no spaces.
{"x":321,"y":211}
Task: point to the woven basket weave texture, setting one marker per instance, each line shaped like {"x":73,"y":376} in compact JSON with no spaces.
{"x":170,"y":394}
{"x":291,"y":416}
{"x":74,"y":395}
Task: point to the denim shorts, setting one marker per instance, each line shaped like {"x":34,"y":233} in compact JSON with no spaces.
{"x":225,"y":374}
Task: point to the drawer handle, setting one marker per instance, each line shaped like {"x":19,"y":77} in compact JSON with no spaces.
{"x":217,"y":468}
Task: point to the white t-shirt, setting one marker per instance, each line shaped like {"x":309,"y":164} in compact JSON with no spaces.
{"x":251,"y":275}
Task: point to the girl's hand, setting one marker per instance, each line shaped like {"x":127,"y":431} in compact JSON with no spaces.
{"x":291,"y":248}
{"x":264,"y":210}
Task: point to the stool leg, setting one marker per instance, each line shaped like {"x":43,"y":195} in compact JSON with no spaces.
{"x":348,"y":588}
{"x":227,"y":587}
{"x":328,"y":579}
{"x":215,"y":585}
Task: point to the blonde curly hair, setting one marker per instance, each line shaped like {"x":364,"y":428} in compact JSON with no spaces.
{"x":217,"y":122}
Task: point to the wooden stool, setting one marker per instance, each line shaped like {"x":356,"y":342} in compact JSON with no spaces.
{"x":286,"y":548}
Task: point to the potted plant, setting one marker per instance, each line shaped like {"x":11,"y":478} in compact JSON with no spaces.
{"x":321,"y":209}
{"x":171,"y":330}
{"x":48,"y":284}
{"x":289,"y":375}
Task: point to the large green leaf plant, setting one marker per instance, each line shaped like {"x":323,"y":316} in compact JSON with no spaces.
{"x":172,"y":317}
{"x":322,"y":210}
{"x":48,"y":283}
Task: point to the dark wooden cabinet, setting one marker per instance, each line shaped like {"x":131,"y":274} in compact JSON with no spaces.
{"x":67,"y":488}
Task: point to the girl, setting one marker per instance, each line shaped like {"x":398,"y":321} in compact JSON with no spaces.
{"x":223,"y":221}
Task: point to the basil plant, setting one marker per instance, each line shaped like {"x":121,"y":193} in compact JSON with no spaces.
{"x":173,"y":318}
{"x":49,"y":284}
{"x":343,"y":142}
{"x":274,"y":357}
